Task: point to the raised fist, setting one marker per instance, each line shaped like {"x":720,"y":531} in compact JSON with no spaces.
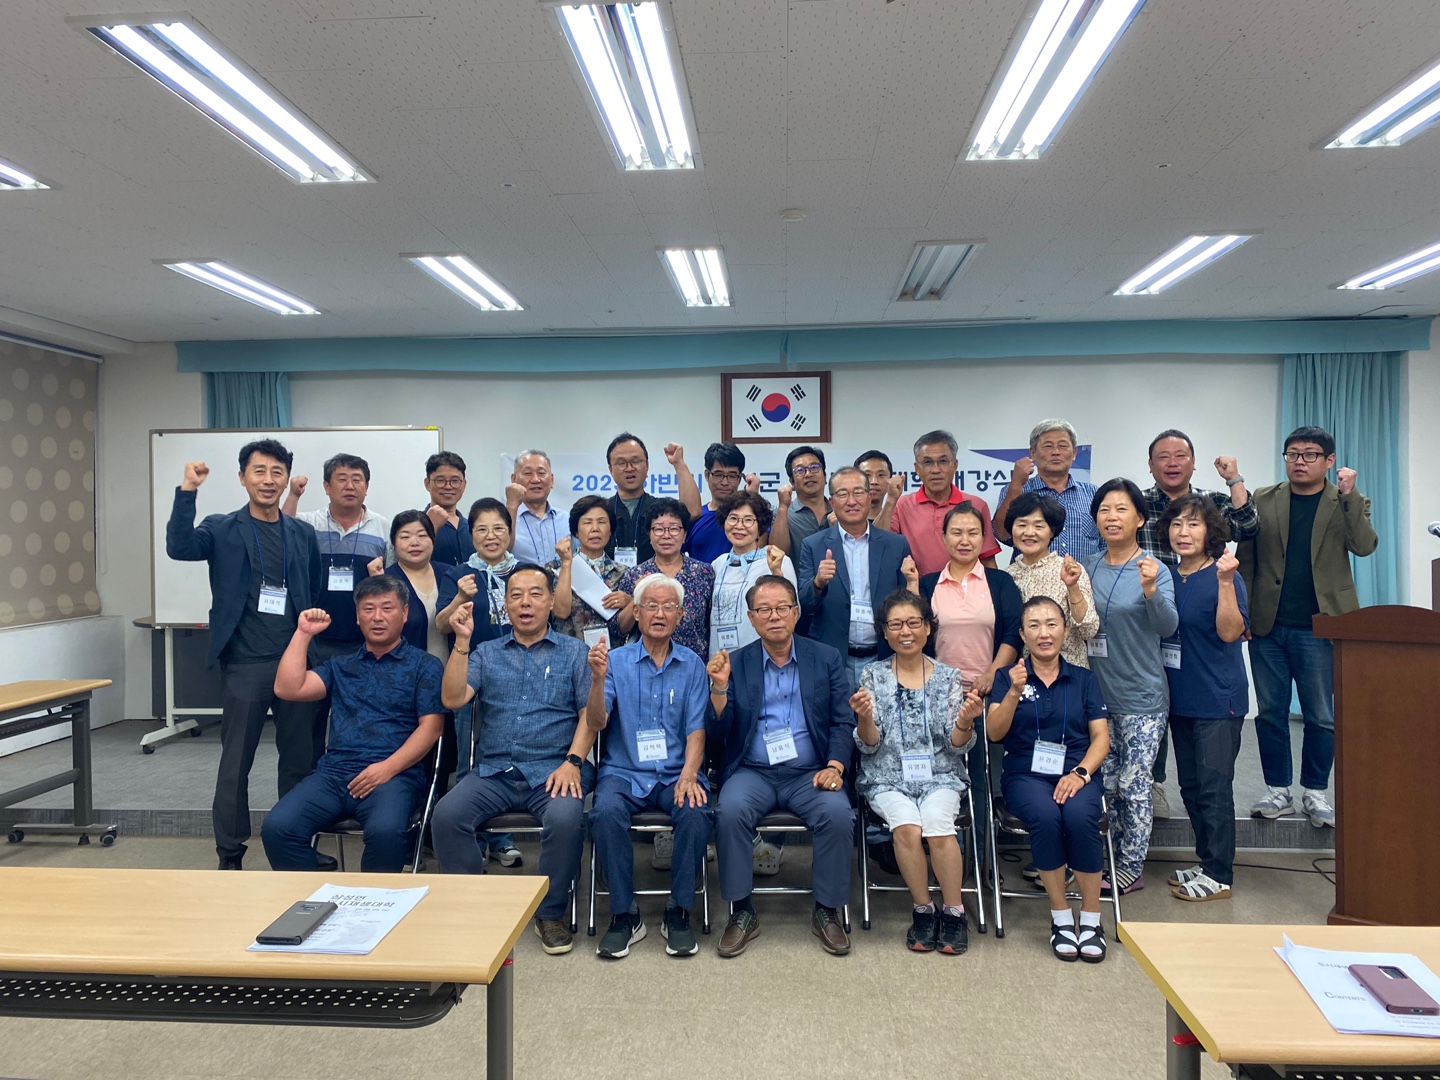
{"x":565,"y":550}
{"x":1227,"y":467}
{"x":514,"y":493}
{"x":298,"y":484}
{"x":1149,"y":570}
{"x":784,"y":495}
{"x":462,"y":623}
{"x":674,"y":453}
{"x":752,"y":483}
{"x":774,"y":559}
{"x":1345,"y":480}
{"x":467,"y":587}
{"x":599,"y":660}
{"x":897,"y":485}
{"x":313,"y":620}
{"x":1019,"y":677}
{"x":974,"y":705}
{"x":1225,"y":567}
{"x":911,"y":573}
{"x":1070,"y":572}
{"x":1022,"y":470}
{"x":719,"y":668}
{"x":376,"y":566}
{"x":195,"y":474}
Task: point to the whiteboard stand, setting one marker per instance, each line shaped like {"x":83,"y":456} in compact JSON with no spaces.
{"x":172,"y":726}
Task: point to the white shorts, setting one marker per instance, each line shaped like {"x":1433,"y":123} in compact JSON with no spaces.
{"x":935,"y":814}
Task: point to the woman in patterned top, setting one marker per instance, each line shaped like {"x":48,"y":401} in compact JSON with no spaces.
{"x":1033,"y":521}
{"x":666,"y":522}
{"x":913,"y":730}
{"x":591,"y":524}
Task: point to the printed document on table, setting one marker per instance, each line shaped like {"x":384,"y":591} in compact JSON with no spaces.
{"x":590,"y":587}
{"x":360,"y":921}
{"x":1347,"y":1005}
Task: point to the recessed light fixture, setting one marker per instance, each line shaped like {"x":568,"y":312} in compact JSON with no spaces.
{"x":630,"y":63}
{"x":182,"y":57}
{"x":698,"y":275}
{"x":227,"y":279}
{"x":460,"y":274}
{"x":1398,"y":116}
{"x":13,"y":179}
{"x":1049,"y":69}
{"x":1180,"y":262}
{"x":933,"y":266}
{"x":1402,"y":269}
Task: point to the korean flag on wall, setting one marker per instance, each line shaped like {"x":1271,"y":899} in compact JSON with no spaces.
{"x":783,"y":406}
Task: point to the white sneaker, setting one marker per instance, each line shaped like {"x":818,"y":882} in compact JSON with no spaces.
{"x":1159,"y":801}
{"x":1318,"y":809}
{"x":1273,"y":804}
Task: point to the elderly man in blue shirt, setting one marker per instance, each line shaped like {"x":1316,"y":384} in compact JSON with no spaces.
{"x":530,"y":743}
{"x":651,"y":699}
{"x":385,"y":716}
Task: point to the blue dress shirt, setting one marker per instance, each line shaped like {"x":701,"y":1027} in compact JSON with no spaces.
{"x":641,"y":697}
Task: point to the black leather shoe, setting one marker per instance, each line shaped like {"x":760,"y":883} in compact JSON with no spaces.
{"x":326,"y":862}
{"x":231,"y":862}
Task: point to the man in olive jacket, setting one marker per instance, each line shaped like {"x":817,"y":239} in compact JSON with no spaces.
{"x":1298,"y":567}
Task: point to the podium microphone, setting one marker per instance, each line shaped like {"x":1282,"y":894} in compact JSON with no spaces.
{"x":1433,"y":528}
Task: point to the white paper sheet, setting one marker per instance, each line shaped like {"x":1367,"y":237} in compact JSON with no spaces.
{"x":360,"y":921}
{"x":1347,"y":1005}
{"x":590,"y":587}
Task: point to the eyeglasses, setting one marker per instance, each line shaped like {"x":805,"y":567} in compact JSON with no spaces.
{"x":627,"y":463}
{"x":850,"y":493}
{"x":436,"y":481}
{"x":489,"y":530}
{"x":896,"y":625}
{"x":669,"y":607}
{"x":666,"y":530}
{"x":765,"y":611}
{"x":807,"y":470}
{"x":722,"y":474}
{"x":746,"y":521}
{"x":1307,"y":456}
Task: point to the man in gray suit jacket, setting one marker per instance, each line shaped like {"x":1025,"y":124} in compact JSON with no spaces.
{"x":1298,"y":567}
{"x":845,"y":571}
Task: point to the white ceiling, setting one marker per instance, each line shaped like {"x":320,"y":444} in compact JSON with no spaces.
{"x":852,"y":110}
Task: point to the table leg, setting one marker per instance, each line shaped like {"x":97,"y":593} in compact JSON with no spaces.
{"x":1182,"y":1049}
{"x":500,"y":1023}
{"x":80,"y":759}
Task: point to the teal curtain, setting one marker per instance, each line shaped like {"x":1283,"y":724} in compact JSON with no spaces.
{"x":1356,"y":397}
{"x":247,"y":399}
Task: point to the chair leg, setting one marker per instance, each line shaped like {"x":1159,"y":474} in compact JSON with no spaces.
{"x":1110,"y":862}
{"x":590,"y":930}
{"x":845,"y":917}
{"x":574,"y":906}
{"x":340,"y":850}
{"x":995,"y":887}
{"x":973,"y":844}
{"x":704,"y":896}
{"x":864,"y":845}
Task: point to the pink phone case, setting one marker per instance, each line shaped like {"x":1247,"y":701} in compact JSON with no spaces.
{"x":1395,"y":990}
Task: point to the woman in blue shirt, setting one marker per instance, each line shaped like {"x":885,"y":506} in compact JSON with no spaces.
{"x":1209,"y":693}
{"x":1052,"y":720}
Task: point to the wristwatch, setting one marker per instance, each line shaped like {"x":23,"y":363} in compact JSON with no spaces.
{"x":574,"y":759}
{"x":1082,"y":772}
{"x":1236,"y":479}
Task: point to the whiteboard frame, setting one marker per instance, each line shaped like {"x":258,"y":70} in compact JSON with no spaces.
{"x":150,"y":454}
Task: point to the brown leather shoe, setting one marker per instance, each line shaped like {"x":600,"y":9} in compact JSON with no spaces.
{"x":833,"y":939}
{"x":743,"y":928}
{"x":554,"y":936}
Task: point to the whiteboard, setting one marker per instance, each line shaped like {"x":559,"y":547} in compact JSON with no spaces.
{"x":180,"y":591}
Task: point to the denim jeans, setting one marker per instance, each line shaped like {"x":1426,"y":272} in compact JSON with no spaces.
{"x":322,"y":799}
{"x":1205,"y":753}
{"x":1293,"y":654}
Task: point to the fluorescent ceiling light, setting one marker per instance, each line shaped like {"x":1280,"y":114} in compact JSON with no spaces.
{"x":1180,"y":262}
{"x":184,"y":59}
{"x":13,"y":179}
{"x":227,"y":279}
{"x":459,"y":274}
{"x":1398,"y":117}
{"x":630,"y":63}
{"x":933,"y":266}
{"x":1402,"y":269}
{"x":698,"y":275}
{"x":1054,"y":63}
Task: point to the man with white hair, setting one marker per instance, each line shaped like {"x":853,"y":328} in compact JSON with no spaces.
{"x":650,"y":698}
{"x":1053,"y":445}
{"x":538,"y":525}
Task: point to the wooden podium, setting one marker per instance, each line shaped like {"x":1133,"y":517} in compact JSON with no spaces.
{"x":1387,"y":765}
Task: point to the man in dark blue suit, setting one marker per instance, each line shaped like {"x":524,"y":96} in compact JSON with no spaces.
{"x":780,"y":708}
{"x":264,"y":570}
{"x":845,"y":571}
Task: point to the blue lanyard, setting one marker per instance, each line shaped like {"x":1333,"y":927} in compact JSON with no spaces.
{"x":1119,"y":573}
{"x":260,"y":550}
{"x":340,"y":533}
{"x":794,"y":666}
{"x":1064,"y":711}
{"x":554,"y":535}
{"x":925,"y":705}
{"x":747,"y":560}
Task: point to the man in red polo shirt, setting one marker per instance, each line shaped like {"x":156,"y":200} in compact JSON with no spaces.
{"x":920,"y":517}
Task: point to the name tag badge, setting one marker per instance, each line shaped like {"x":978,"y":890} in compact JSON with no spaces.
{"x":596,"y":636}
{"x":627,"y":556}
{"x":342,"y":579}
{"x":1049,"y":759}
{"x":780,"y":746}
{"x":272,"y":600}
{"x":916,"y":766}
{"x":861,"y":612}
{"x":1097,"y":646}
{"x":728,"y":636}
{"x":1170,"y":654}
{"x":650,"y":745}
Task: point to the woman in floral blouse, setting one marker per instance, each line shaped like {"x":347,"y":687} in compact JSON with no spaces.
{"x":591,"y":523}
{"x":913,"y":735}
{"x":1033,"y":521}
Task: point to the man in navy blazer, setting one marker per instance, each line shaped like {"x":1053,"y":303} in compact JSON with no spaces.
{"x":845,"y":571}
{"x":780,"y":710}
{"x":264,"y":570}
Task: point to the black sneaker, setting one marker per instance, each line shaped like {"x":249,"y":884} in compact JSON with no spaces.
{"x":679,"y":938}
{"x":921,"y":936}
{"x":625,"y":930}
{"x":953,"y":937}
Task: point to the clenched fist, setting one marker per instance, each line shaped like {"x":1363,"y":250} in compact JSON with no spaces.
{"x":1021,"y":471}
{"x":1070,"y":572}
{"x":1227,"y":467}
{"x":674,"y":453}
{"x":1345,"y":480}
{"x":863,"y":704}
{"x":462,"y":623}
{"x":911,"y":573}
{"x":719,"y":670}
{"x":376,"y":566}
{"x":298,"y":484}
{"x":195,"y":474}
{"x":1018,"y":678}
{"x":1149,"y":570}
{"x":1225,"y":567}
{"x":313,"y":621}
{"x":784,"y":495}
{"x":774,"y":559}
{"x":599,"y":660}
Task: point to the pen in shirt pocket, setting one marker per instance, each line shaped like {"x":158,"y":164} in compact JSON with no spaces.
{"x":547,"y":671}
{"x":672,"y":697}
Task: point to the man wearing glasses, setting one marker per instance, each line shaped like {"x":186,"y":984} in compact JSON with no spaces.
{"x":803,"y":510}
{"x":919,"y":515}
{"x":724,"y":473}
{"x":445,"y":482}
{"x":538,"y":525}
{"x":780,"y":708}
{"x":629,"y":463}
{"x":1297,"y":567}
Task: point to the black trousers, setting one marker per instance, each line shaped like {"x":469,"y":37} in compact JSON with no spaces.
{"x":247,"y":695}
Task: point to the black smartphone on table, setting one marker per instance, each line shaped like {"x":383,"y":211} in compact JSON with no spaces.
{"x":298,"y":923}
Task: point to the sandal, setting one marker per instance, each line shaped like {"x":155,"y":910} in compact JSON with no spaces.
{"x":1181,"y":877}
{"x":1063,"y":942}
{"x":1092,"y":937}
{"x":1200,"y":889}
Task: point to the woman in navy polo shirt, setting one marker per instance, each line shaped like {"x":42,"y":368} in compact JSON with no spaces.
{"x":1052,"y":720}
{"x":1209,"y":693}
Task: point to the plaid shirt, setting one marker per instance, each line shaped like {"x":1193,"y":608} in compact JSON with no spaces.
{"x":1080,"y":537}
{"x":1244,"y":524}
